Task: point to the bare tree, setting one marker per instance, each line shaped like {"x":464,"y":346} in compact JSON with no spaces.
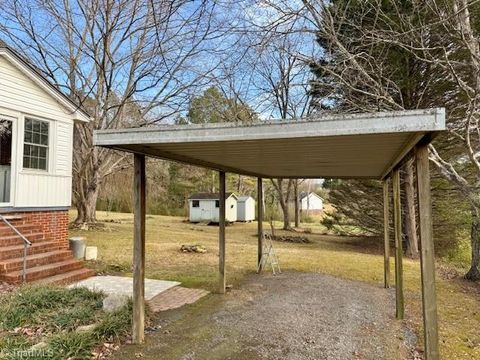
{"x":281,"y":77}
{"x":436,"y":43}
{"x":128,"y":62}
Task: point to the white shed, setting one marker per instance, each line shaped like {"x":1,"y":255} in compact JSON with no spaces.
{"x":310,"y":202}
{"x":245,"y":208}
{"x":205,"y":207}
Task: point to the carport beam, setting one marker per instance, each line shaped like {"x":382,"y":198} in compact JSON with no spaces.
{"x":139,"y":250}
{"x":427,"y":257}
{"x":221,"y":234}
{"x":386,"y":231}
{"x":260,"y":221}
{"x":397,"y":216}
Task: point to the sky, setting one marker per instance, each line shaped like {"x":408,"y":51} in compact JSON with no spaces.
{"x":234,"y":44}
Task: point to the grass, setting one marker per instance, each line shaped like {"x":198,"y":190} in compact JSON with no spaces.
{"x":50,"y":316}
{"x":346,"y":257}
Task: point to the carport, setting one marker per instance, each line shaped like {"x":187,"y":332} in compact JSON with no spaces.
{"x":369,"y":146}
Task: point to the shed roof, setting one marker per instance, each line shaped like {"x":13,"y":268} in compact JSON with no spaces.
{"x":209,"y":196}
{"x":305,"y":194}
{"x":334,"y":146}
{"x":244,"y":198}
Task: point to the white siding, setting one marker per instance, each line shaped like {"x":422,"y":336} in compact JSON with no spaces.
{"x":36,"y":190}
{"x":311,"y":202}
{"x":20,"y":97}
{"x":63,"y":153}
{"x":19,"y":93}
{"x":246,"y":210}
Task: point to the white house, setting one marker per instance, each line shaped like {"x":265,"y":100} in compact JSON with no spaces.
{"x":245,"y":208}
{"x":310,"y":202}
{"x":205,"y":207}
{"x":36,"y":146}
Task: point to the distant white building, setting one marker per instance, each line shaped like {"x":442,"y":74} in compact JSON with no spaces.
{"x":205,"y":207}
{"x":310,"y":202}
{"x":245,"y":208}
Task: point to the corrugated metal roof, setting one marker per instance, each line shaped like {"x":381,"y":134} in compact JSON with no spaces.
{"x":338,"y":146}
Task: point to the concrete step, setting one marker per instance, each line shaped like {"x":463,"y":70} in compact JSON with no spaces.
{"x":16,"y":251}
{"x":67,"y":278}
{"x":17,"y":240}
{"x":41,"y":259}
{"x":42,"y":272}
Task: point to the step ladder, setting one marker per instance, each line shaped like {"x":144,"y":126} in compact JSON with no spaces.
{"x":268,"y":255}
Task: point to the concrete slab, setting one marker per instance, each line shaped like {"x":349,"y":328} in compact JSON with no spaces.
{"x":119,"y":285}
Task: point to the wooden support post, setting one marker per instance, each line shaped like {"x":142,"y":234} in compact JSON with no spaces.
{"x":386,"y":230}
{"x":221,"y":234}
{"x":259,"y":221}
{"x":139,"y":250}
{"x":397,"y":216}
{"x":427,"y":257}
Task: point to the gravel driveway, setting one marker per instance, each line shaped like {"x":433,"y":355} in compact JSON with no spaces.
{"x":288,"y":316}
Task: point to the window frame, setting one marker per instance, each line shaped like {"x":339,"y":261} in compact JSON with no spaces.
{"x":35,"y":145}
{"x":195,"y":203}
{"x":217,"y":203}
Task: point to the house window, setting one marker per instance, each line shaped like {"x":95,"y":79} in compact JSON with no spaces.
{"x":35,"y":147}
{"x":217,"y":203}
{"x":195,"y":203}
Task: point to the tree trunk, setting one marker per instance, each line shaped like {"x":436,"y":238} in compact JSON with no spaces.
{"x":86,"y":186}
{"x":239,"y":184}
{"x":474,"y":274}
{"x":286,"y":217}
{"x":297,"y":208}
{"x":283,"y":199}
{"x":86,"y":206}
{"x":410,"y":214}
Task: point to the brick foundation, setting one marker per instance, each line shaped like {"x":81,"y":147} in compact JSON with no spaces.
{"x":53,"y":224}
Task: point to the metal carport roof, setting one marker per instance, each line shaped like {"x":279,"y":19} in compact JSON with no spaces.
{"x":338,"y":146}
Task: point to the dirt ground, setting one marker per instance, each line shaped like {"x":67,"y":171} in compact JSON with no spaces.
{"x":288,"y":316}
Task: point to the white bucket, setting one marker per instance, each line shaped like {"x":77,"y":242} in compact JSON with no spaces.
{"x":91,"y":253}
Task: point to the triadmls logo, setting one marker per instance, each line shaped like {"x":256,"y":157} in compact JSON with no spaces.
{"x":26,"y":354}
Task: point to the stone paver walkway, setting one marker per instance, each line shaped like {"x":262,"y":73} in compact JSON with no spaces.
{"x":123,"y":286}
{"x":176,"y":297}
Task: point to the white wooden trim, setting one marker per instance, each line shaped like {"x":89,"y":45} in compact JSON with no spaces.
{"x":13,"y":167}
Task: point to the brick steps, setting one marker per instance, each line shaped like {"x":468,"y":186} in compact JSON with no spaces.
{"x":44,"y":271}
{"x":16,"y":251}
{"x":25,"y":229}
{"x":35,"y":260}
{"x":14,"y":239}
{"x":48,"y":258}
{"x":66,"y":278}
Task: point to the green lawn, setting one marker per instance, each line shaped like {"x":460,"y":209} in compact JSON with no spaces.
{"x":346,"y":257}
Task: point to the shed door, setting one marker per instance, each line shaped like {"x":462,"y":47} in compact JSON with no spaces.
{"x":206,"y":210}
{"x":6,"y":145}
